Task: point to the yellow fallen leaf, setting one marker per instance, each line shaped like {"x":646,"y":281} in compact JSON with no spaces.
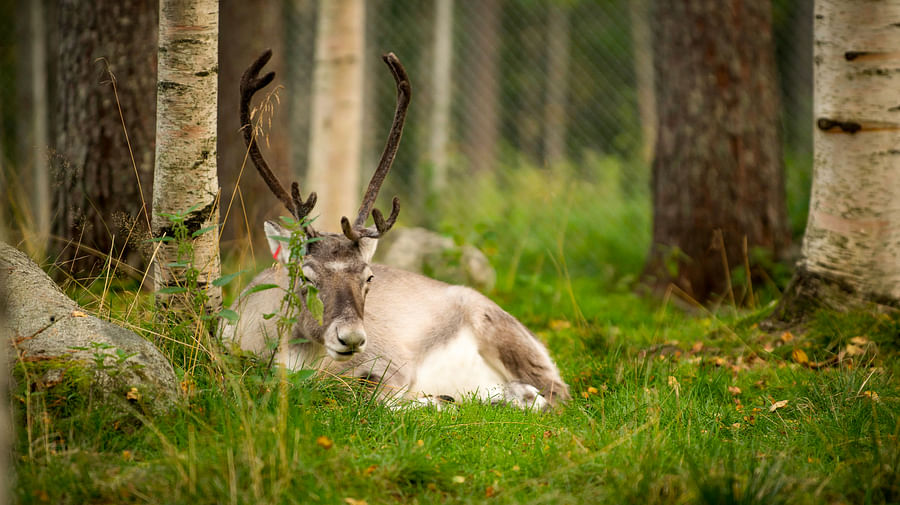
{"x":126,"y":455}
{"x":777,"y":405}
{"x":673,"y":383}
{"x":557,"y":325}
{"x":324,"y":442}
{"x":585,"y":394}
{"x":458,"y":479}
{"x":489,"y":492}
{"x":799,"y":356}
{"x":133,"y":394}
{"x":368,"y":471}
{"x":420,"y":442}
{"x":734,"y":390}
{"x":697,"y":347}
{"x":861,"y":341}
{"x":187,"y":386}
{"x":78,"y":313}
{"x":872,"y":395}
{"x":854,"y":350}
{"x":352,"y":501}
{"x":787,"y":337}
{"x":592,"y":390}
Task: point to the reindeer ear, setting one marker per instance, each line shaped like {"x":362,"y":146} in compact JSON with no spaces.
{"x":279,"y":248}
{"x":367,"y":248}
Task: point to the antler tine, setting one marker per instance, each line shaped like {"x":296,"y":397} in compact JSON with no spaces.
{"x":349,"y":232}
{"x":380,"y":224}
{"x":250,"y":84}
{"x":303,"y":208}
{"x":384,"y":165}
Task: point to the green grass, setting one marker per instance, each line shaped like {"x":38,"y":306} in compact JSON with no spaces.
{"x":668,"y":407}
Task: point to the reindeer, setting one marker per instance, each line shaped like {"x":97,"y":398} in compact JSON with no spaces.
{"x":417,"y":338}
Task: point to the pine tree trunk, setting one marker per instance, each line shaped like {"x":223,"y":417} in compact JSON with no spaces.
{"x":185,"y":179}
{"x":97,"y":194}
{"x":300,"y":43}
{"x":336,"y":134}
{"x":245,"y":21}
{"x":482,"y":114}
{"x":851,"y":249}
{"x":717,"y":174}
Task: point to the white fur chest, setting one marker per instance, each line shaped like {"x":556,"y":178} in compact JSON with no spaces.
{"x":457,"y":369}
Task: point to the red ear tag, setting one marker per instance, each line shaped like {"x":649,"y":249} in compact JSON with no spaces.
{"x":277,"y":251}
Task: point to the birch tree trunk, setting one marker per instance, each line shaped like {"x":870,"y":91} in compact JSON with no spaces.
{"x":851,"y":249}
{"x":718,"y":179}
{"x":442,"y":92}
{"x":335,"y":145}
{"x":185,"y":179}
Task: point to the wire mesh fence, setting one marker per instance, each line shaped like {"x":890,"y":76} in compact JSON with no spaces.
{"x":499,"y":83}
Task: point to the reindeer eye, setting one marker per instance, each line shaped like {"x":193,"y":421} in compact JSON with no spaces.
{"x":370,"y":279}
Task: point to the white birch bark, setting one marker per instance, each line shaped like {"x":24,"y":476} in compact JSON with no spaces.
{"x":442,"y":91}
{"x":185,"y":172}
{"x":335,"y":144}
{"x":852,"y":239}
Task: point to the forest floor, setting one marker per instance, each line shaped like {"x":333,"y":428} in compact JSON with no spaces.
{"x":669,"y":405}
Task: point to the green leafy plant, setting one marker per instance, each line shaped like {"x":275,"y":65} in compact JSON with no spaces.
{"x":99,"y":356}
{"x":187,"y":326}
{"x":300,"y":292}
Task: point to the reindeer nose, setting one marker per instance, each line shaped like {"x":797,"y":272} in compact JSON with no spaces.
{"x":354,"y":338}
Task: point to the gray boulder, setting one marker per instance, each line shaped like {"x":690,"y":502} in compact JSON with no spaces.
{"x":51,"y":335}
{"x":435,"y":255}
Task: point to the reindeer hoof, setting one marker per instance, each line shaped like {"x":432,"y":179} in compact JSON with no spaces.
{"x":525,"y":397}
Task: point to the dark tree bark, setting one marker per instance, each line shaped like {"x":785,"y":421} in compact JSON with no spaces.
{"x":97,"y":194}
{"x":248,"y":27}
{"x":717,"y":163}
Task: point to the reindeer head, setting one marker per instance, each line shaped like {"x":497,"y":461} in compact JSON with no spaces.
{"x":336,"y":264}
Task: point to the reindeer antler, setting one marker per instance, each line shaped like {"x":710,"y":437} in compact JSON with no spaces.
{"x":250,"y":84}
{"x":382,"y":225}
